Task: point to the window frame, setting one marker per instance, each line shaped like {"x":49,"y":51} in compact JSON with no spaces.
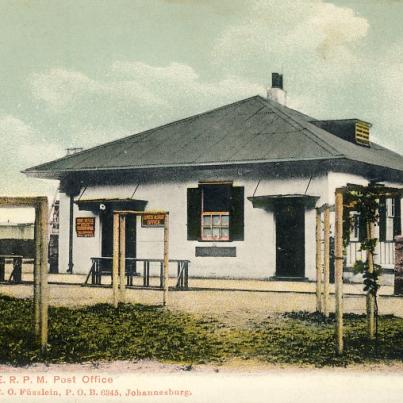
{"x":235,"y":207}
{"x":390,"y":208}
{"x":220,"y":226}
{"x":203,"y":213}
{"x":355,"y":228}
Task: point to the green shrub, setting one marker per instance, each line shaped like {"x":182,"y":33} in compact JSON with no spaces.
{"x":133,"y":332}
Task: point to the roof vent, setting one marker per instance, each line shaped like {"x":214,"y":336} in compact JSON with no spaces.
{"x":276,"y":91}
{"x":362,"y":132}
{"x":353,"y":130}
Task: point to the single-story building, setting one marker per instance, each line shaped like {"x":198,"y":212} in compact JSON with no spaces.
{"x":17,"y":239}
{"x":240,"y":183}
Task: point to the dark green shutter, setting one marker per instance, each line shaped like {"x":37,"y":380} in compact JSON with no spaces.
{"x":382,"y":219}
{"x":362,"y":228}
{"x":194,"y":213}
{"x":346,"y":224}
{"x":397,"y":221}
{"x":237,"y":214}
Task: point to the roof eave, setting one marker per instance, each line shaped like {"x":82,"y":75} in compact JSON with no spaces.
{"x":57,"y":174}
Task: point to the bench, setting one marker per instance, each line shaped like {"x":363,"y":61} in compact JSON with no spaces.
{"x":16,"y":274}
{"x":102,"y":266}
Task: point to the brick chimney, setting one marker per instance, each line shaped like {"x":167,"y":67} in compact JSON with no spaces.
{"x":276,"y":92}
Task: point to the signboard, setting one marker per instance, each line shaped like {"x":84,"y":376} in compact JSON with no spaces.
{"x":85,"y":227}
{"x":153,"y":220}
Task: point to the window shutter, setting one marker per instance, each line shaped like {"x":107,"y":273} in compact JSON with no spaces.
{"x":382,"y":219}
{"x":346,"y":223}
{"x":397,"y":221}
{"x":193,"y":213}
{"x":362,"y":229}
{"x":237,"y":214}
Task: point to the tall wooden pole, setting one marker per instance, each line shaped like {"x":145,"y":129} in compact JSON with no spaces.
{"x":115,"y":260}
{"x":44,"y":290}
{"x":71,"y":234}
{"x":326,"y":271}
{"x":122,"y":257}
{"x":37,"y":271}
{"x":166,"y":259}
{"x":318,"y":262}
{"x":339,"y":271}
{"x":370,"y":297}
{"x":41,"y":291}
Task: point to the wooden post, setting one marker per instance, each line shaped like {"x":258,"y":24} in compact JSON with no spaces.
{"x":115,"y":260}
{"x":318,"y":262}
{"x":326,"y":271}
{"x":41,"y":291}
{"x":37,"y":270}
{"x":71,"y":234}
{"x":166,"y":259}
{"x":44,"y":290}
{"x":339,"y":271}
{"x":370,"y":297}
{"x":122,"y":256}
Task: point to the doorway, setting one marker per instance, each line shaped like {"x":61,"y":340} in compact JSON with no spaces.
{"x":107,"y":235}
{"x":290,"y":239}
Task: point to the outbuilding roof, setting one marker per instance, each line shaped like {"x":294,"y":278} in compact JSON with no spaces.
{"x":248,"y":131}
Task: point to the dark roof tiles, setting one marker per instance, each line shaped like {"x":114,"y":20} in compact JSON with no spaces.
{"x":254,"y":129}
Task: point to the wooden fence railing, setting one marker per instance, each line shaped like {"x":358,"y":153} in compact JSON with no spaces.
{"x":102,"y":266}
{"x":16,"y":273}
{"x":384,"y":253}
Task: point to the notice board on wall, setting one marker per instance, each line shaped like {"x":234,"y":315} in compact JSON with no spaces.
{"x":85,"y":227}
{"x":153,"y":220}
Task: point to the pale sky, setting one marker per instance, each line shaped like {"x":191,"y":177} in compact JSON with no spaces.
{"x":83,"y":72}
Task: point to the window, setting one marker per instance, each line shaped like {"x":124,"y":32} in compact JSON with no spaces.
{"x":355,"y":226}
{"x":215,"y":201}
{"x":215,"y":213}
{"x":390,"y":208}
{"x":215,"y":226}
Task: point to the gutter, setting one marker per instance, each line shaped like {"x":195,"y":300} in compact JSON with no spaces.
{"x":56,"y":174}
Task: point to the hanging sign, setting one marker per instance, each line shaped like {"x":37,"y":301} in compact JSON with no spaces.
{"x":85,"y":227}
{"x":153,"y":220}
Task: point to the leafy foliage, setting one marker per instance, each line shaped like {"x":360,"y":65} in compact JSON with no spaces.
{"x":371,"y":279}
{"x":365,"y":201}
{"x":134,"y":332}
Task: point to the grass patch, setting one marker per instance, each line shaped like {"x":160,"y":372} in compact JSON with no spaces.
{"x":133,"y":332}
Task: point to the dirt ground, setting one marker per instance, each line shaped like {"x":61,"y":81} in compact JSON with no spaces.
{"x":226,"y":305}
{"x":230,"y":301}
{"x":234,"y":366}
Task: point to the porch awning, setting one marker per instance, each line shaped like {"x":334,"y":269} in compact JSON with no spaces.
{"x":108,"y":205}
{"x":270,"y":200}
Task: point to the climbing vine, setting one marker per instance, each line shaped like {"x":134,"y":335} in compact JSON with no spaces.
{"x":365,"y":202}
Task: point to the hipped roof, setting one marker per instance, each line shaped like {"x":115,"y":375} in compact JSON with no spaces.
{"x":248,"y":131}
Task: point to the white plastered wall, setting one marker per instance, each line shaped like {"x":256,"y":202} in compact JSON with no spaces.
{"x":83,"y":248}
{"x":255,"y":256}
